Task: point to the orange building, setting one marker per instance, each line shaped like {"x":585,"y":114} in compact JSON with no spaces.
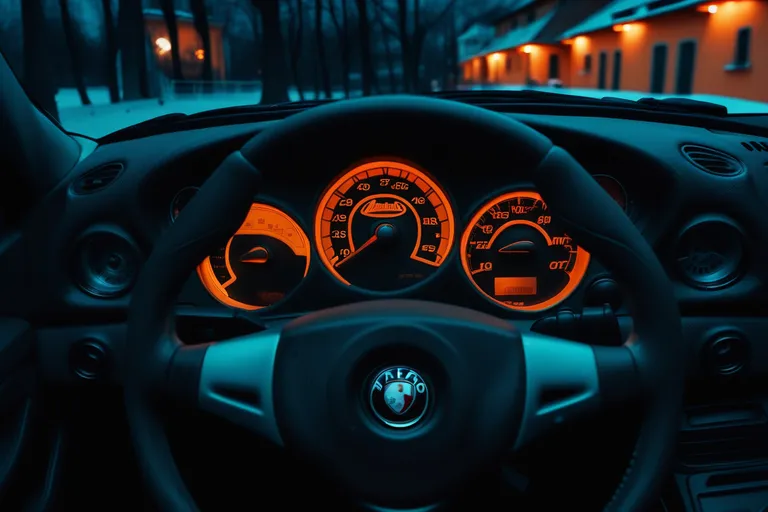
{"x":190,"y":45}
{"x":526,"y":47}
{"x":674,"y":47}
{"x":656,"y":46}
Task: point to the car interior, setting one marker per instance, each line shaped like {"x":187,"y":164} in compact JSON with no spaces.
{"x":208,"y":312}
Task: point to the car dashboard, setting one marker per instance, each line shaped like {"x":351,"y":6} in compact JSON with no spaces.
{"x":357,"y":222}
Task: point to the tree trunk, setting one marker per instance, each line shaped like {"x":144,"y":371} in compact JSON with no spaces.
{"x":200,"y":15}
{"x":345,"y":48}
{"x":405,"y":44}
{"x":74,"y":52}
{"x":274,"y":74}
{"x":366,"y":60}
{"x":169,"y":14}
{"x":38,"y":73}
{"x":296,"y":36}
{"x":110,"y":67}
{"x":321,"y":58}
{"x":132,"y":41}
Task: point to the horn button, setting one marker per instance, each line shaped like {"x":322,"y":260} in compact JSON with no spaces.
{"x":400,"y":400}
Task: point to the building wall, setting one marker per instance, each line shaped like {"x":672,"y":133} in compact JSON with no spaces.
{"x":518,"y":65}
{"x":189,"y":42}
{"x":715,"y":35}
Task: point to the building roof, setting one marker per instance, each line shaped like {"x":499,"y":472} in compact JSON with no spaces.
{"x":623,"y":11}
{"x":507,"y":9}
{"x":180,"y":15}
{"x":517,"y":37}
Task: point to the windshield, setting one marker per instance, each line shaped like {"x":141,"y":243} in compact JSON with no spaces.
{"x":102,"y":65}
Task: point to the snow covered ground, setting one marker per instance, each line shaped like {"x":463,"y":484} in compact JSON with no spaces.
{"x":102,"y":117}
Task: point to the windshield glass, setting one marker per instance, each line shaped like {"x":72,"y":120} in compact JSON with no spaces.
{"x":102,"y":65}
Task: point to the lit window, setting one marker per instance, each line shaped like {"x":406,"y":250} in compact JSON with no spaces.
{"x":200,"y":54}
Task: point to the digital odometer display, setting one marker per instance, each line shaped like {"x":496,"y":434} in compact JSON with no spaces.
{"x":384,"y":226}
{"x":515,"y":253}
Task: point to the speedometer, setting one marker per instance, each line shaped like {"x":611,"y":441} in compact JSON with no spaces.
{"x":515,"y":253}
{"x":383,"y":226}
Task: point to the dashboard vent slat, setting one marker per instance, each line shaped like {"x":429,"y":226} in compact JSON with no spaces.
{"x":98,"y":178}
{"x":712,"y":161}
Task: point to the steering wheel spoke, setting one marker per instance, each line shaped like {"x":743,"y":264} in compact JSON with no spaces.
{"x":231,"y":379}
{"x":565,"y":380}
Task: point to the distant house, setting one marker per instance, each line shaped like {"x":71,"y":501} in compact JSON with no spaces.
{"x":525,"y":47}
{"x":190,"y":45}
{"x":473,"y":40}
{"x":673,"y":47}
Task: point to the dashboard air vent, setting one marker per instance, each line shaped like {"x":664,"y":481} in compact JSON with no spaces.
{"x":755,"y":145}
{"x":712,"y":161}
{"x":97,"y":179}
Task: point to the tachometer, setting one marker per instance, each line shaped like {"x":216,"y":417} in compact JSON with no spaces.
{"x":517,"y":255}
{"x":384,"y":226}
{"x":263,"y":261}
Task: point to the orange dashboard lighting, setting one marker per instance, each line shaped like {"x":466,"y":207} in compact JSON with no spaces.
{"x":386,"y":215}
{"x":265,"y":222}
{"x":516,"y":255}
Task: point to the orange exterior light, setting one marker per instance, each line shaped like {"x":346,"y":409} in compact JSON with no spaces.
{"x":581,"y":40}
{"x":495,"y":57}
{"x":200,"y":54}
{"x":527,"y":48}
{"x":622,"y":28}
{"x":712,"y":9}
{"x":163,"y":45}
{"x":568,"y":41}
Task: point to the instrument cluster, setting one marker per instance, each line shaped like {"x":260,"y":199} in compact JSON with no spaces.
{"x":385,"y":227}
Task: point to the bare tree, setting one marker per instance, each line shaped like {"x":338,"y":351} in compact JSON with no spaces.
{"x":274,"y":76}
{"x":110,"y":66}
{"x":366,"y":59}
{"x":321,"y":57}
{"x":342,"y":34}
{"x":200,"y":17}
{"x":133,"y":56}
{"x":387,"y":33}
{"x":169,"y":14}
{"x":75,"y":56}
{"x":37,"y":66}
{"x":295,"y":41}
{"x":412,"y":41}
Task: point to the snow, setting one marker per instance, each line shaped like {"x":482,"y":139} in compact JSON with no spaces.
{"x":103,"y":118}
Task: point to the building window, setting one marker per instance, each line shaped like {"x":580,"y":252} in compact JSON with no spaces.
{"x":743,"y":40}
{"x":587,"y":64}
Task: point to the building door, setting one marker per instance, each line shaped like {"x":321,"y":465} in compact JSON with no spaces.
{"x":686,"y":62}
{"x":554,"y":66}
{"x":659,"y":69}
{"x":601,"y":65}
{"x":616,"y":85}
{"x":483,"y":70}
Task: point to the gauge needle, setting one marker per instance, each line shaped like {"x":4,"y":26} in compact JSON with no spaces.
{"x":256,"y":255}
{"x":383,"y":231}
{"x":519,"y":247}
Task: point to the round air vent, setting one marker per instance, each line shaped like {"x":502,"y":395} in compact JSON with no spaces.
{"x":712,"y":161}
{"x":97,"y":179}
{"x":710,"y":253}
{"x":106,"y":263}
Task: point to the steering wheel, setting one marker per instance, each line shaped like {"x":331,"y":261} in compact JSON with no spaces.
{"x":477,"y":385}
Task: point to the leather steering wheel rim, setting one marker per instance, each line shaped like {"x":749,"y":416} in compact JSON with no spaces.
{"x":589,"y":214}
